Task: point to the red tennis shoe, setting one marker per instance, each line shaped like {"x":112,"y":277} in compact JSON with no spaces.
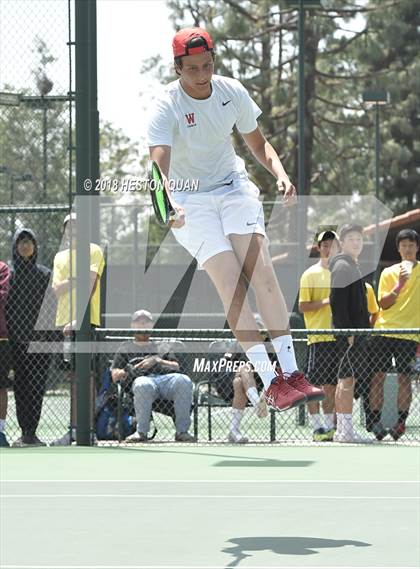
{"x":298,"y":381}
{"x":281,"y":396}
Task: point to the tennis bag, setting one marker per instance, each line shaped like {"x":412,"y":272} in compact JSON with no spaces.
{"x":106,"y":415}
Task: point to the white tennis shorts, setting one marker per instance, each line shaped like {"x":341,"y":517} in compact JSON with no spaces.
{"x":210,"y":217}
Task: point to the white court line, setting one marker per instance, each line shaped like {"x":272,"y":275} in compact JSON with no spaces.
{"x":203,"y":567}
{"x":241,"y":481}
{"x":209,"y":496}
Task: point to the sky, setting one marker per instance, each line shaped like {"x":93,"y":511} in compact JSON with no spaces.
{"x":129,"y":31}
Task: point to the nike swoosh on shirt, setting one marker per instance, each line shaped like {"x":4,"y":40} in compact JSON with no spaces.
{"x":255,"y":223}
{"x":224,"y":104}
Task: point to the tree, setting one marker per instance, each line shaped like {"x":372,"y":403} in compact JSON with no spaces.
{"x":390,"y":57}
{"x":256,"y":42}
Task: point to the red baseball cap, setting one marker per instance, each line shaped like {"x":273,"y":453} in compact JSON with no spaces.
{"x":190,"y":41}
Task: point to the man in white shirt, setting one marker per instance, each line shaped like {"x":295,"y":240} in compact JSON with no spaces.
{"x":222,"y":224}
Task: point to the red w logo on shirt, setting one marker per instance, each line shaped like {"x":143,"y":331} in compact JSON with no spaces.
{"x":190,"y":118}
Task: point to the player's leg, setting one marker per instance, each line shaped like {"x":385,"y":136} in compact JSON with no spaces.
{"x":404,"y":402}
{"x":344,"y":393}
{"x":178,"y":387}
{"x":376,"y":396}
{"x":404,"y":352}
{"x":229,"y":388}
{"x":5,"y":361}
{"x":226,"y":274}
{"x":238,"y":406}
{"x":381,"y":361}
{"x":145,"y":392}
{"x":322,"y":372}
{"x":39,"y":364}
{"x":205,"y":237}
{"x":249,"y":388}
{"x":3,"y":413}
{"x":316,"y":367}
{"x":404,"y":392}
{"x":20,"y":380}
{"x":253,"y":255}
{"x":328,"y":408}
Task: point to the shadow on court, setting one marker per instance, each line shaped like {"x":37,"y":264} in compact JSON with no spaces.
{"x":244,"y":547}
{"x":243,"y":461}
{"x":264,"y":463}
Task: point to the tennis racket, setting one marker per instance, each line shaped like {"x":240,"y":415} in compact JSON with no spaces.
{"x":162,"y":206}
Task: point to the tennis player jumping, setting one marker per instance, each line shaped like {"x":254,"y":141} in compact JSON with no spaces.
{"x":222,"y":224}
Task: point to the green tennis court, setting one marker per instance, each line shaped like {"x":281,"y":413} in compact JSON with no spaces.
{"x":208,"y":507}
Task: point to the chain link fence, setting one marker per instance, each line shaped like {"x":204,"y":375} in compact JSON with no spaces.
{"x":35,"y":105}
{"x":199,"y":390}
{"x":36,"y":169}
{"x":385,"y":387}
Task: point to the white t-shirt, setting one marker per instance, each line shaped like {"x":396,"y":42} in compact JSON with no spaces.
{"x":199,"y":131}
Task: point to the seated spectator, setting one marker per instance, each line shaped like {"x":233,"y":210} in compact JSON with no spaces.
{"x":156,"y":376}
{"x":399,"y":300}
{"x":4,"y":351}
{"x":28,"y":289}
{"x":239,"y":387}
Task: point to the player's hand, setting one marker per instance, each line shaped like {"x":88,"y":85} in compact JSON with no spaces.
{"x":403,"y":276}
{"x":179,"y":220}
{"x":147,"y":363}
{"x":288,"y":190}
{"x":68,"y":328}
{"x":350,"y":340}
{"x":119,"y":375}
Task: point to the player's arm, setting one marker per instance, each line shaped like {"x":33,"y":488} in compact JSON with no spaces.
{"x":4,"y":284}
{"x":311,"y":306}
{"x":373,"y":307}
{"x":118,"y":372}
{"x":268,"y":157}
{"x":162,"y":156}
{"x":339,"y":298}
{"x":60,"y":287}
{"x":389,"y":291}
{"x":306,"y":303}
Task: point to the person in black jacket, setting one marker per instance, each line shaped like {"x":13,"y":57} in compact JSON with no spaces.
{"x":29,"y":285}
{"x":349,"y":310}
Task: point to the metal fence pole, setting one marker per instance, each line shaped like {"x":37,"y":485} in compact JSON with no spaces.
{"x":83,"y":379}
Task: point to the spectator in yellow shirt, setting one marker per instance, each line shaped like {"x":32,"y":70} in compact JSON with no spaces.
{"x":399,"y":300}
{"x":322,"y":362}
{"x":64,"y":278}
{"x":64,"y":287}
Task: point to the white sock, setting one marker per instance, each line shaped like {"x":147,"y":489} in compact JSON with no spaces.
{"x":237,"y":415}
{"x":329,"y":421}
{"x":285,"y":353}
{"x":2,"y":425}
{"x":316,"y":421}
{"x":258,"y":356}
{"x":345,"y":422}
{"x":252,"y":395}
